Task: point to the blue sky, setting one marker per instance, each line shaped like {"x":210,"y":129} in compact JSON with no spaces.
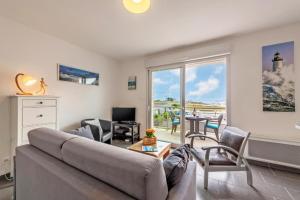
{"x":286,"y":51}
{"x":205,"y":83}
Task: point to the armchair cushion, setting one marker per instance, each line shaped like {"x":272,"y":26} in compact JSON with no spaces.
{"x":94,"y":125}
{"x":83,"y":132}
{"x":176,"y":122}
{"x":213,"y":126}
{"x":232,"y":138}
{"x":215,"y":157}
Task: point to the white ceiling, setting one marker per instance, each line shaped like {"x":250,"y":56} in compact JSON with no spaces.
{"x":106,"y":27}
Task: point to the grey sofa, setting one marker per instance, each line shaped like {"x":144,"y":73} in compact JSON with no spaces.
{"x":60,"y":166}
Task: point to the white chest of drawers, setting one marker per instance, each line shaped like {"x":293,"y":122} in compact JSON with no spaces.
{"x":31,"y":112}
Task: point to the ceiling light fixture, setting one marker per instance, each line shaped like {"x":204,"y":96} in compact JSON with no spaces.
{"x":137,"y":6}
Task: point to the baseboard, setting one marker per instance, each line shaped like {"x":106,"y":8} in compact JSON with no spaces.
{"x":274,"y":166}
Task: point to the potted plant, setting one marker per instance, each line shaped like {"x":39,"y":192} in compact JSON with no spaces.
{"x":150,"y":138}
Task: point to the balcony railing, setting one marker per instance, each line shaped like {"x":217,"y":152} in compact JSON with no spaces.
{"x":162,"y":119}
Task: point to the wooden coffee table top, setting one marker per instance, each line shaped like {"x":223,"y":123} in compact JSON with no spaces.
{"x":163,"y":149}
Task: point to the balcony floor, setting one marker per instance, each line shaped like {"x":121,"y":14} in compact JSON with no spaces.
{"x":165,"y":135}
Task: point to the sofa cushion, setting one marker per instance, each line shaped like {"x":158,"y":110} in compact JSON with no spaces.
{"x":176,"y":164}
{"x":49,"y":140}
{"x":136,"y":174}
{"x":43,"y":177}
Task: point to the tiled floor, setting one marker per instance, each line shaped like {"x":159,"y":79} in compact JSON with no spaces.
{"x":6,"y":194}
{"x":269,"y":184}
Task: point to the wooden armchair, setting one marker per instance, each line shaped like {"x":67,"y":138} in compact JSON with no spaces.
{"x":227,"y":155}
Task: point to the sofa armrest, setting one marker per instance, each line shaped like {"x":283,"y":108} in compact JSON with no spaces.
{"x":105,"y":125}
{"x":186,"y":188}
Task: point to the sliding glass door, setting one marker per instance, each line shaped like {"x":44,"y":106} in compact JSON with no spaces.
{"x":166,"y":103}
{"x":206,"y":96}
{"x":193,"y":88}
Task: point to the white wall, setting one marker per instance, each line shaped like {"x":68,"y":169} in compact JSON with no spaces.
{"x":32,"y":52}
{"x":134,"y":98}
{"x":246,"y":80}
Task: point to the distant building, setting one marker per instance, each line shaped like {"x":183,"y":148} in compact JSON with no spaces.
{"x":277,"y":61}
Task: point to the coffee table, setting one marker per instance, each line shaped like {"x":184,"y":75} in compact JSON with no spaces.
{"x":163,"y":149}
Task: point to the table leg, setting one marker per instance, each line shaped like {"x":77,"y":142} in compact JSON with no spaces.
{"x":113,"y":131}
{"x":139,"y":133}
{"x":166,"y":154}
{"x":191,"y":128}
{"x":132,"y":134}
{"x":197,"y":127}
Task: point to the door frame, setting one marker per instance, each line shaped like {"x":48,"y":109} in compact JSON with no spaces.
{"x":182,"y":66}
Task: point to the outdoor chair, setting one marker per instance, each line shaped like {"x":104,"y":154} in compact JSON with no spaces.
{"x":227,"y":155}
{"x":214,"y":124}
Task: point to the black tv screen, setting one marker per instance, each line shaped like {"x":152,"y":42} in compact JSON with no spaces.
{"x":123,"y":114}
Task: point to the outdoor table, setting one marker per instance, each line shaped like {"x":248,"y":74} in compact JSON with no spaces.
{"x":195,"y":123}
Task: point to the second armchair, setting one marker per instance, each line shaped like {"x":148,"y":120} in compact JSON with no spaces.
{"x":102,"y":136}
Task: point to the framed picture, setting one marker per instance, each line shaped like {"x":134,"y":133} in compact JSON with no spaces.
{"x":75,"y":75}
{"x":278,"y":72}
{"x":132,"y":83}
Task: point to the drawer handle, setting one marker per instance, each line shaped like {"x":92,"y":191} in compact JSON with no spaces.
{"x":40,"y":102}
{"x":40,"y":115}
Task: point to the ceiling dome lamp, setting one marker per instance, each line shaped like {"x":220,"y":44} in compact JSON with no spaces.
{"x":137,"y":6}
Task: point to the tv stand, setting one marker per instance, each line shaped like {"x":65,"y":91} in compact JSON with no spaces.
{"x":132,"y":127}
{"x":128,"y":122}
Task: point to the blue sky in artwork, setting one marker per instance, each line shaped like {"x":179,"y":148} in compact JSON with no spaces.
{"x":204,"y":83}
{"x":77,"y":72}
{"x":286,"y":51}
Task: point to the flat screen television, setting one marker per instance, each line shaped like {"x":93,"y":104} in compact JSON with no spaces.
{"x":123,"y":114}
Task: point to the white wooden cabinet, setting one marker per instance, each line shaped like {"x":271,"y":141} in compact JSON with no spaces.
{"x":31,"y":112}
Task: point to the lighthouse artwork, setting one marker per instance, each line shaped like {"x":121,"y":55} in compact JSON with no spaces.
{"x":278,"y":77}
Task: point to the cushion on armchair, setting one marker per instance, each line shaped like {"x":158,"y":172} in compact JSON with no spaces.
{"x":215,"y":157}
{"x":213,"y":126}
{"x":231,"y":137}
{"x":96,"y":122}
{"x":83,"y":132}
{"x":101,"y":129}
{"x":176,"y":122}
